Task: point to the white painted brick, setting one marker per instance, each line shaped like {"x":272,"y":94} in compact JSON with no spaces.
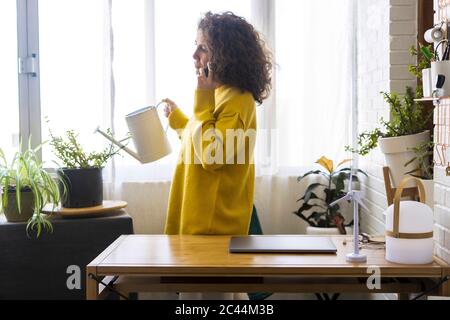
{"x":442,"y":253}
{"x":441,"y":177}
{"x":372,"y":116}
{"x":400,"y":73}
{"x":436,"y":212}
{"x":383,"y":113}
{"x":439,"y":194}
{"x":402,"y":42}
{"x":442,"y":216}
{"x":399,"y":86}
{"x":446,"y":195}
{"x":375,"y":224}
{"x":403,"y":13}
{"x":401,"y":58}
{"x":402,"y":29}
{"x":403,"y":2}
{"x":446,"y":234}
{"x":374,"y":197}
{"x":439,"y":235}
{"x":375,"y":211}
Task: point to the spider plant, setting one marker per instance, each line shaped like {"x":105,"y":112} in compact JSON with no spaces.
{"x":24,"y":173}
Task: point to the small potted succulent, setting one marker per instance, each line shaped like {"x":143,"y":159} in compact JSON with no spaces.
{"x":26,"y":187}
{"x":81,"y":171}
{"x":422,"y":71}
{"x":329,"y":184}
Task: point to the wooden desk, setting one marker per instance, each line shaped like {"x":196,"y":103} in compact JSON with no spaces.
{"x":154,"y":263}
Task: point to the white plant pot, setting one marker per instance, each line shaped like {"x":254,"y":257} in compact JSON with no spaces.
{"x":429,"y":192}
{"x":398,"y":151}
{"x":314,"y":231}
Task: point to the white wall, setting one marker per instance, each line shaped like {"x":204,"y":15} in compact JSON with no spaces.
{"x":386,"y":30}
{"x":373,"y":77}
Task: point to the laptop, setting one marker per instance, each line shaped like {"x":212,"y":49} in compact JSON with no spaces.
{"x":281,"y":244}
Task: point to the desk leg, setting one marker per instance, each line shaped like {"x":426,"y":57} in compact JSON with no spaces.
{"x":91,"y":284}
{"x":444,"y":290}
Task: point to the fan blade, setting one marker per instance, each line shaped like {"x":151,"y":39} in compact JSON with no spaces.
{"x":345,"y":198}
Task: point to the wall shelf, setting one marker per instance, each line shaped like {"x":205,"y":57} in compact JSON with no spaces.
{"x":430,"y":99}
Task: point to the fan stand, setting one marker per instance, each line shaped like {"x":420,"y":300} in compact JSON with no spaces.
{"x":356,"y":256}
{"x":412,"y":192}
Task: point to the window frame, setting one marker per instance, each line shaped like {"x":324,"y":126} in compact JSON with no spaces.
{"x":29,"y":83}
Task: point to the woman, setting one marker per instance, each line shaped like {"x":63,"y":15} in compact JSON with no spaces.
{"x":213,"y":184}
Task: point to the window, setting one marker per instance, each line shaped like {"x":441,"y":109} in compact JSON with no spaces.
{"x":314,"y":80}
{"x":72,"y":81}
{"x":9,"y":97}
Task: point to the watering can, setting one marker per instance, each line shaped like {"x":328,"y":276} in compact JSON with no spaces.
{"x":148,"y":135}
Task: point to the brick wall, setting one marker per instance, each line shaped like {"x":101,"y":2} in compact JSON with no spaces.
{"x":386,"y":30}
{"x":442,"y":182}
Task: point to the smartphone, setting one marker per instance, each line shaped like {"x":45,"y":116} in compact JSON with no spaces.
{"x":206,"y":72}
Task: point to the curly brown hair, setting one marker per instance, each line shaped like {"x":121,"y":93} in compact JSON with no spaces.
{"x":239,"y":55}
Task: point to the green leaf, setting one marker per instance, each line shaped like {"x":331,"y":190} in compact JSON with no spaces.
{"x":315,"y":172}
{"x":311,"y":189}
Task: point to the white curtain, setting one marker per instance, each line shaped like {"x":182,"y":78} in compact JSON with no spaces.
{"x":149,"y":46}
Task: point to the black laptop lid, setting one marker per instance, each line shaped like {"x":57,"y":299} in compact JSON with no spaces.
{"x":281,"y":244}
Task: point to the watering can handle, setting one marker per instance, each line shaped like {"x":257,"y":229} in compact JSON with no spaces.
{"x":157,"y":106}
{"x":396,"y":223}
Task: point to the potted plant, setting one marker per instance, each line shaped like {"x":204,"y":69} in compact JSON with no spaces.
{"x":81,"y":171}
{"x":422,"y":71}
{"x":26,"y":188}
{"x":407,"y":128}
{"x":329,"y":186}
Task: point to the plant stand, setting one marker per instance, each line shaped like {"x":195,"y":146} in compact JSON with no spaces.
{"x":412,"y":192}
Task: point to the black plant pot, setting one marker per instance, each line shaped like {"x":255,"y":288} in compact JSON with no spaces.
{"x":84,"y":187}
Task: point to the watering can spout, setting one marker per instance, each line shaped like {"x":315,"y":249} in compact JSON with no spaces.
{"x":119,"y":144}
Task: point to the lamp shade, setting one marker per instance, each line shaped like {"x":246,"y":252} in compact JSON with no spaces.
{"x":409,"y":229}
{"x":148,"y":135}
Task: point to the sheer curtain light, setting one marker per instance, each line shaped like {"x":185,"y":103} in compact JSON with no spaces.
{"x":314,"y":53}
{"x":9,"y":97}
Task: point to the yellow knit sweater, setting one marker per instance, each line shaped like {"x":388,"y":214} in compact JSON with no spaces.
{"x":213,"y":185}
